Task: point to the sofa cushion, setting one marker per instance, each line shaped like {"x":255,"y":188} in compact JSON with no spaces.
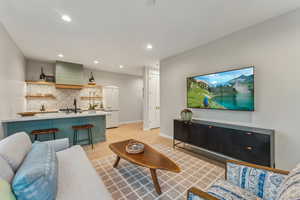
{"x":6,"y":171}
{"x":36,"y":179}
{"x":77,"y":179}
{"x":290,"y":188}
{"x":5,"y":191}
{"x":14,"y":148}
{"x":261,"y":183}
{"x":224,"y":190}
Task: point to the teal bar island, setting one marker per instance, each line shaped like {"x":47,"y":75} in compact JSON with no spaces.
{"x":62,"y":121}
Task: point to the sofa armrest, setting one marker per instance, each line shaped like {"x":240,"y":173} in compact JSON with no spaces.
{"x":196,"y":194}
{"x":60,"y":144}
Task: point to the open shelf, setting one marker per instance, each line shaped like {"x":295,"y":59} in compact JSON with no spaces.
{"x":48,"y":96}
{"x":39,"y":83}
{"x":62,"y":86}
{"x":73,"y":87}
{"x":89,"y":98}
{"x":92,"y":86}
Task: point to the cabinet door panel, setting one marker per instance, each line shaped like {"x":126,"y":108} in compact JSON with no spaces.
{"x":251,"y":147}
{"x":181,"y":131}
{"x":213,"y":139}
{"x":198,"y":135}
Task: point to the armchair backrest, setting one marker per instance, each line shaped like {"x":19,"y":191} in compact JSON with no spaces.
{"x":262,"y":181}
{"x":290,"y":188}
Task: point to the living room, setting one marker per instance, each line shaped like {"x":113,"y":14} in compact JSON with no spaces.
{"x":166,"y":100}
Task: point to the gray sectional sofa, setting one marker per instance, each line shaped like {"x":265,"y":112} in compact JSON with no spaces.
{"x":77,"y":179}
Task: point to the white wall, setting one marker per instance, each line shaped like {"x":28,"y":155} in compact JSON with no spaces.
{"x":12,"y":76}
{"x":33,"y":69}
{"x":274,"y":48}
{"x":131,"y":87}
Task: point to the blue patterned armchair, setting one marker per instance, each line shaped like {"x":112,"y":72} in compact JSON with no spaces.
{"x":245,"y":181}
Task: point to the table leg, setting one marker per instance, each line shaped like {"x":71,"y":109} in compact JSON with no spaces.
{"x":117,"y":162}
{"x":155,"y":181}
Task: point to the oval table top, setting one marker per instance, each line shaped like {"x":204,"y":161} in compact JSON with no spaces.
{"x":150,"y":158}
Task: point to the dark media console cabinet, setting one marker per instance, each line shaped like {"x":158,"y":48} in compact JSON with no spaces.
{"x":254,"y":145}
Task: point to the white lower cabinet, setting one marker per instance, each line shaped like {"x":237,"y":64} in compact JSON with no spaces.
{"x":112,"y":119}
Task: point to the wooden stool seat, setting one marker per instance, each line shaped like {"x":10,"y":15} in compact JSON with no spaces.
{"x":87,"y":127}
{"x":44,"y":131}
{"x":81,"y":127}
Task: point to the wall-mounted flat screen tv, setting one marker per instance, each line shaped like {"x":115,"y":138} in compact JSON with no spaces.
{"x":227,"y":90}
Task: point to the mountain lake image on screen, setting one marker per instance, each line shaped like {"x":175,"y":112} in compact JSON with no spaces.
{"x":228,"y":90}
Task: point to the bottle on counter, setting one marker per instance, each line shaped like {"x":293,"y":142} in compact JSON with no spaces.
{"x":43,"y":108}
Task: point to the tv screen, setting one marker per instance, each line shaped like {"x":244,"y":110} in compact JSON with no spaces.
{"x":228,"y":90}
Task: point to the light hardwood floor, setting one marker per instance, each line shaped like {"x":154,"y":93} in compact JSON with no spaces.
{"x":124,"y":132}
{"x":134,"y":131}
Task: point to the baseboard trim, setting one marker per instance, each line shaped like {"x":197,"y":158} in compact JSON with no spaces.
{"x":130,"y":122}
{"x":165,"y":136}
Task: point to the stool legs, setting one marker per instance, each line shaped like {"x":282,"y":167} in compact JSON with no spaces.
{"x":88,"y":128}
{"x":75,"y":137}
{"x":90,"y":133}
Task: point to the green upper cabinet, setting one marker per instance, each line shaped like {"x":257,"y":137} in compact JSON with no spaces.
{"x":68,"y":73}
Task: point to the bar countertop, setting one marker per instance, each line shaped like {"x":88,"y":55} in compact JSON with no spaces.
{"x":54,"y":116}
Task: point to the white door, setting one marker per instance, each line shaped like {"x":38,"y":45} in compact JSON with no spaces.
{"x":111,"y":104}
{"x":115,"y":119}
{"x":154,"y":101}
{"x":111,"y":98}
{"x":115,"y":98}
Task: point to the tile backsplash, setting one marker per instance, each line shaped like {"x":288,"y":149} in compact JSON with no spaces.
{"x":63,"y":97}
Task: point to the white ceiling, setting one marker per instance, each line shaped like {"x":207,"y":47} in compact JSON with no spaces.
{"x":116,"y":32}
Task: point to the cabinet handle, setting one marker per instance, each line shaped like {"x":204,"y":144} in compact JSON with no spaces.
{"x":249,"y":148}
{"x":209,"y":126}
{"x":249,"y":133}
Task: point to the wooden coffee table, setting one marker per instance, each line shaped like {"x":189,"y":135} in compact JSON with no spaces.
{"x":150,"y":158}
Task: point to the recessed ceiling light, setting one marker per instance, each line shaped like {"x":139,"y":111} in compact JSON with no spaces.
{"x":149,"y":46}
{"x":60,"y":55}
{"x":66,"y":18}
{"x":96,"y":62}
{"x":121,"y":66}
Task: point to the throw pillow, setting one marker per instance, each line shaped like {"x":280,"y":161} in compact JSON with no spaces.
{"x":5,"y":191}
{"x":14,"y":149}
{"x":37,"y":177}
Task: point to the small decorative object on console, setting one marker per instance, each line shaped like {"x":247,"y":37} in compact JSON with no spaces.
{"x":186,"y":115}
{"x":134,"y":147}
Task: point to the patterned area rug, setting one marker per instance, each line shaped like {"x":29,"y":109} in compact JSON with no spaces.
{"x":131,"y":182}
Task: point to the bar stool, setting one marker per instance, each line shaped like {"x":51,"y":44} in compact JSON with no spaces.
{"x":52,"y":131}
{"x":87,"y":127}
